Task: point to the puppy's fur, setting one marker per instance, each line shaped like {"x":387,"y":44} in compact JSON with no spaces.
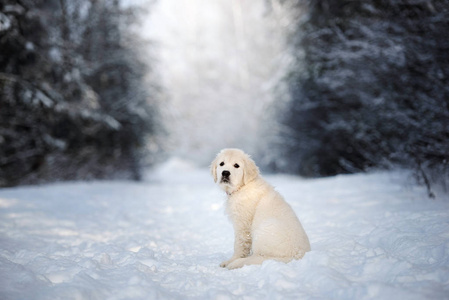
{"x":265,"y":226}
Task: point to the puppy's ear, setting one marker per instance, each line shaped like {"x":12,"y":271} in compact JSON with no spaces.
{"x":213,"y":169}
{"x":250,"y":170}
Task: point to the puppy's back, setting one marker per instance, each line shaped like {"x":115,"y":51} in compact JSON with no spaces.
{"x":279,"y":226}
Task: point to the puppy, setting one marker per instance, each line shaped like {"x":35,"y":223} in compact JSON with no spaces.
{"x":265,"y":226}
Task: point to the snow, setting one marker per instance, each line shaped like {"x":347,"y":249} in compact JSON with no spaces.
{"x":372,"y":236}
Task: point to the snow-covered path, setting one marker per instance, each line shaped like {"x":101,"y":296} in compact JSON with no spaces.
{"x":372,"y":237}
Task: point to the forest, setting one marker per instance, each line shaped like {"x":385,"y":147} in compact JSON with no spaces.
{"x":367,"y":88}
{"x":74,"y":103}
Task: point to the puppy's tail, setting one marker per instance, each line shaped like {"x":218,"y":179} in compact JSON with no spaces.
{"x":300,"y":254}
{"x":259,"y":259}
{"x":285,"y":259}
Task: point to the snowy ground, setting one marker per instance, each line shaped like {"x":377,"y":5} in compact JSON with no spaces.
{"x":372,"y":236}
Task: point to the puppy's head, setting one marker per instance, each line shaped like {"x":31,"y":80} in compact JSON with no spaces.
{"x":232,"y":169}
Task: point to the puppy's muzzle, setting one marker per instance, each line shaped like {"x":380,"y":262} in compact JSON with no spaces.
{"x":225,"y":176}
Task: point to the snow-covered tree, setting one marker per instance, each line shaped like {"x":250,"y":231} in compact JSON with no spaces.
{"x":73,"y":101}
{"x":369,"y":86}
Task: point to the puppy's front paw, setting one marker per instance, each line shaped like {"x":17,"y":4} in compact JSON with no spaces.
{"x":227,"y":262}
{"x":224,"y":264}
{"x":233,"y":263}
{"x":236,"y":264}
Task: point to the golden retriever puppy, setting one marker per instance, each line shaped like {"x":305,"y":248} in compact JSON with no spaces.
{"x":265,"y":226}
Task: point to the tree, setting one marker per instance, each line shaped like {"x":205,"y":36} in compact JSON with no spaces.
{"x":368,"y":87}
{"x":58,"y":117}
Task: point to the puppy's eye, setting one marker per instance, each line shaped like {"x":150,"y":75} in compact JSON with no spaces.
{"x":221,"y":164}
{"x":236,"y":166}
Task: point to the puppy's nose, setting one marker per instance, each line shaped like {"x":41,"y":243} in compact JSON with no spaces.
{"x":225,"y":173}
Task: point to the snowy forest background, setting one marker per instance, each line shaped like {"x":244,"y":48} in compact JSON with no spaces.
{"x":103,"y":89}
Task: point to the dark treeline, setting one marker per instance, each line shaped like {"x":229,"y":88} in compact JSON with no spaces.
{"x":72,"y":99}
{"x":369,"y":88}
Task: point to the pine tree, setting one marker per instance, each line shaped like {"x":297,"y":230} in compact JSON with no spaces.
{"x":70,"y":107}
{"x":369,"y":87}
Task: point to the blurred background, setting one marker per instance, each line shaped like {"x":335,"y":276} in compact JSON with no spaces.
{"x":219,"y":63}
{"x":108,"y":88}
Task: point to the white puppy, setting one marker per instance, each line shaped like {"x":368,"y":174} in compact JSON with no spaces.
{"x":265,"y":226}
